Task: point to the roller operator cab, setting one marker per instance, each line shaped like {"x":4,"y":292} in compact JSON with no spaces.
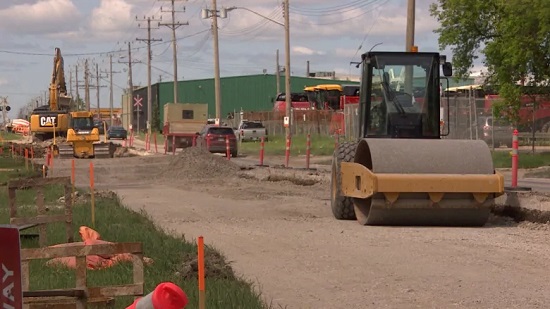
{"x":399,"y":171}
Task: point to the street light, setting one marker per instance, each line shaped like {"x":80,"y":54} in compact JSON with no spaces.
{"x":286,"y":25}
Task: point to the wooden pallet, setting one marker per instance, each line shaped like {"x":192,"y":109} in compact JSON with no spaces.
{"x":81,"y":295}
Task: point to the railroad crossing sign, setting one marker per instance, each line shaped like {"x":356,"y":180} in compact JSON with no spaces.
{"x":137,"y":101}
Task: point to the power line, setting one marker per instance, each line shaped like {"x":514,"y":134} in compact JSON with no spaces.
{"x":22,"y":53}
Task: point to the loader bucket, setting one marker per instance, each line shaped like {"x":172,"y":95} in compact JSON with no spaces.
{"x":421,"y":182}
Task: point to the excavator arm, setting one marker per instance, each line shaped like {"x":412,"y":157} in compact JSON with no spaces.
{"x":58,"y":86}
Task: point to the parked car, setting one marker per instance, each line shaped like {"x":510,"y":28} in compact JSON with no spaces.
{"x":212,"y":138}
{"x":117,"y":132}
{"x":500,"y":131}
{"x":251,"y":131}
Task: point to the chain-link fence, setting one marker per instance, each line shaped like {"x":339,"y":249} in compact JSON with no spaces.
{"x":465,"y":117}
{"x":303,"y":122}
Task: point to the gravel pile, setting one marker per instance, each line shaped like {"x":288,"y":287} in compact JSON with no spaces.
{"x":196,"y":163}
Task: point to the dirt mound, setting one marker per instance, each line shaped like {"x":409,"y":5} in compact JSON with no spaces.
{"x":519,"y":214}
{"x":215,"y":266}
{"x":196,"y":163}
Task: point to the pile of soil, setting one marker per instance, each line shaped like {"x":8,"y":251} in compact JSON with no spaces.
{"x":215,"y":266}
{"x":196,"y":163}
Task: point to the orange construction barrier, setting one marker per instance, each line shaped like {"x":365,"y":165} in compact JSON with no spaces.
{"x":165,"y":296}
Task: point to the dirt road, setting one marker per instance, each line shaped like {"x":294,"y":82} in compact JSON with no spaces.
{"x":283,"y":237}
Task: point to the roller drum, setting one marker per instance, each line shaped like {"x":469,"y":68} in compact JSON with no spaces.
{"x":424,"y":156}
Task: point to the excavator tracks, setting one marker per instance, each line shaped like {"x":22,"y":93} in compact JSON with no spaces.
{"x":65,"y":151}
{"x":102,"y":151}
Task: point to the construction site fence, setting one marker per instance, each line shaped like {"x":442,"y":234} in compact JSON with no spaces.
{"x":464,"y":117}
{"x":303,"y":122}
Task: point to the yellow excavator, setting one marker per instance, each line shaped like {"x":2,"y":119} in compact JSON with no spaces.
{"x":58,"y":119}
{"x":52,"y":119}
{"x":400,"y":170}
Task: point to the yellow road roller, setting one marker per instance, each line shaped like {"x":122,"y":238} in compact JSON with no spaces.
{"x":399,"y":170}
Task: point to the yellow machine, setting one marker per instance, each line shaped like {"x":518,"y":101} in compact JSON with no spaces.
{"x":83,"y":139}
{"x":53,"y":119}
{"x":399,"y":170}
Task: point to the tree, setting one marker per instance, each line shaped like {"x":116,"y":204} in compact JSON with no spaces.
{"x":513,"y":35}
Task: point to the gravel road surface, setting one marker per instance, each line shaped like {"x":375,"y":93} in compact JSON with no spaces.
{"x":283,"y":237}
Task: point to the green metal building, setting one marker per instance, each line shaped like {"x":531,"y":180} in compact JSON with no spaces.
{"x":249,"y":93}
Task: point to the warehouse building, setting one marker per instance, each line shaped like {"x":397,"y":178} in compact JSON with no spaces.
{"x":249,"y":93}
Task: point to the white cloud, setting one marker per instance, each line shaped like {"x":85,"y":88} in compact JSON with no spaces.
{"x":3,"y":81}
{"x":300,"y":50}
{"x":44,"y":16}
{"x":111,"y":16}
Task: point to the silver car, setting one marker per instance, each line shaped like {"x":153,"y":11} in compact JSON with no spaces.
{"x":499,"y":131}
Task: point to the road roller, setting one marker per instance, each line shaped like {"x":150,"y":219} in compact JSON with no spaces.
{"x":399,"y":169}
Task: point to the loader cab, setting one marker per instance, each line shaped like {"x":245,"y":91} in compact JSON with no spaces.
{"x":81,"y":122}
{"x":400,"y":94}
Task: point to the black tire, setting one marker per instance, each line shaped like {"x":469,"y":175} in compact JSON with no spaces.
{"x":342,"y":207}
{"x":234,"y":154}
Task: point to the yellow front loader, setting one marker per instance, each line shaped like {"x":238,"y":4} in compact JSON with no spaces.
{"x":83,"y":139}
{"x":399,"y":170}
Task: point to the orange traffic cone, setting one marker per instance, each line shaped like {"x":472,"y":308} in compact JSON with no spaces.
{"x":165,"y":296}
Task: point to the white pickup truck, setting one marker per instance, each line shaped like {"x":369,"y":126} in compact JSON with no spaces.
{"x":251,"y":131}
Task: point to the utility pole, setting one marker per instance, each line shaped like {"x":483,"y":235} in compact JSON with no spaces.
{"x":98,"y":85}
{"x":288,"y":102}
{"x":76,"y":86}
{"x":410,"y":44}
{"x":111,"y":89}
{"x":87,"y":84}
{"x":410,"y":25}
{"x":278,"y":73}
{"x":70,"y":82}
{"x":213,"y":13}
{"x":174,"y":25}
{"x":130,"y":84}
{"x":149,"y":57}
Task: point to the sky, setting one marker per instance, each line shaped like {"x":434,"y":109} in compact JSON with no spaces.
{"x":328,"y":34}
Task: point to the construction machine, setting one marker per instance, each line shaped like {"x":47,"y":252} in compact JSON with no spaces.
{"x":83,"y":139}
{"x":51,"y":120}
{"x":400,"y":170}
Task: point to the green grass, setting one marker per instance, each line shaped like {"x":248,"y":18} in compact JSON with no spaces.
{"x":503,"y":159}
{"x":321,"y":145}
{"x":119,"y":224}
{"x":14,"y":168}
{"x":160,"y":138}
{"x":7,"y":136}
